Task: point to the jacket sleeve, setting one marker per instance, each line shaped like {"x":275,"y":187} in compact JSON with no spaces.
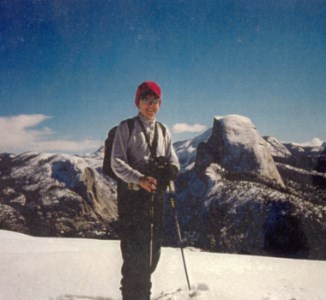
{"x":119,"y":158}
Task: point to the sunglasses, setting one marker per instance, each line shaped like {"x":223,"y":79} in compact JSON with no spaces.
{"x":150,"y":100}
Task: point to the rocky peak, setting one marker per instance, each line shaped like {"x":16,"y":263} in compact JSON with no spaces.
{"x":238,"y":148}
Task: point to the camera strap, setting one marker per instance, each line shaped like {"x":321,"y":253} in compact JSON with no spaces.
{"x":151,"y":146}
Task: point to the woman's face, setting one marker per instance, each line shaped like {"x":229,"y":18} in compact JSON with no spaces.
{"x":149,"y":105}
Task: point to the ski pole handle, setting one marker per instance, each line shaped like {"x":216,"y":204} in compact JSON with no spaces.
{"x":172,"y":187}
{"x":172,"y":193}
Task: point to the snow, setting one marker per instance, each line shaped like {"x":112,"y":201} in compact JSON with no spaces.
{"x":186,"y":150}
{"x":62,"y":269}
{"x":315,"y":142}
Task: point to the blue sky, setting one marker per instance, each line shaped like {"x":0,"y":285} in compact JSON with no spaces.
{"x":69,"y":69}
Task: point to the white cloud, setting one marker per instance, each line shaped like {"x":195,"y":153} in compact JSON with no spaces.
{"x":19,"y":134}
{"x":183,"y":127}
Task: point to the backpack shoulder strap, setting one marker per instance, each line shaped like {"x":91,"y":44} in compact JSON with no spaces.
{"x":163,"y":128}
{"x":131,"y":124}
{"x":153,"y":146}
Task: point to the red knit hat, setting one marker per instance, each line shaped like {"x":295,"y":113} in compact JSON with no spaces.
{"x":145,"y":87}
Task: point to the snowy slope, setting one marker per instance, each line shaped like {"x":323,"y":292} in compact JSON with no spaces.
{"x":62,"y":269}
{"x":186,"y":150}
{"x":56,"y":195}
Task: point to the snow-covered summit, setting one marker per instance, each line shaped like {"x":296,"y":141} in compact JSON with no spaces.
{"x":277,"y":148}
{"x":186,"y":150}
{"x":237,"y":147}
{"x":234,"y":120}
{"x":314,"y":143}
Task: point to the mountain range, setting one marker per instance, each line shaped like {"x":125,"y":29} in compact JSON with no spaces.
{"x":237,"y":192}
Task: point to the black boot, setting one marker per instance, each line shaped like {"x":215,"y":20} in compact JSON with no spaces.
{"x":136,"y":292}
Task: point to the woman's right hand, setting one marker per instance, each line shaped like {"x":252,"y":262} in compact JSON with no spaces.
{"x":148,"y":183}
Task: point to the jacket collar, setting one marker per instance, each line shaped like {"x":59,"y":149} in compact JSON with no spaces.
{"x":145,"y":120}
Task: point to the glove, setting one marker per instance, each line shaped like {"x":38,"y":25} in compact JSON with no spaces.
{"x":166,"y":174}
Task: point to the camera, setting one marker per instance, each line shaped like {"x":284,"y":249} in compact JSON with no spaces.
{"x":160,"y":168}
{"x":158,"y":163}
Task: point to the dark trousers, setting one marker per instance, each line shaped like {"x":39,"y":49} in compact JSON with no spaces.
{"x":141,"y":231}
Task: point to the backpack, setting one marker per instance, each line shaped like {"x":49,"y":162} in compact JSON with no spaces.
{"x":107,"y":168}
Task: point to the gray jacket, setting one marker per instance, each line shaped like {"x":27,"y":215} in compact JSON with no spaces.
{"x":130,"y":152}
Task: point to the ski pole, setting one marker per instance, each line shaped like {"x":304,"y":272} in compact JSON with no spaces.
{"x":172,"y":193}
{"x":151,"y":215}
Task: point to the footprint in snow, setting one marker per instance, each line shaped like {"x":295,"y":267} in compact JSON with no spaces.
{"x":80,"y":297}
{"x":198,"y":292}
